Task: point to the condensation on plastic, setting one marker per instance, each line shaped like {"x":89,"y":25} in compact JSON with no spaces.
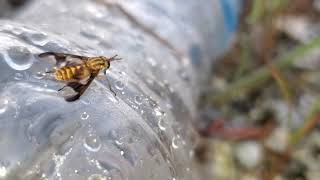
{"x":145,"y":131}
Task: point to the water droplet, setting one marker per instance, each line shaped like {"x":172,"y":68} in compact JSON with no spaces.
{"x":162,"y":124}
{"x":122,"y":153}
{"x":19,"y":58}
{"x":174,"y":142}
{"x":18,"y":76}
{"x":118,"y":142}
{"x":37,"y":38}
{"x":109,"y":166}
{"x":39,"y":75}
{"x":138,"y":100}
{"x":3,"y":104}
{"x":119,"y":85}
{"x":76,"y":171}
{"x":92,"y":143}
{"x":97,"y":177}
{"x":84,"y":116}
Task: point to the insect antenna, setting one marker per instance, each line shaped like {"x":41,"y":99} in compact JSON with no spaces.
{"x":114,"y":58}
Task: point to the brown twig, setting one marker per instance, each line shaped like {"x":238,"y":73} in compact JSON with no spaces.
{"x":218,"y":128}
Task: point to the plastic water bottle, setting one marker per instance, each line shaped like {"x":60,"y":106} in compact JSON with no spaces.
{"x":145,"y":131}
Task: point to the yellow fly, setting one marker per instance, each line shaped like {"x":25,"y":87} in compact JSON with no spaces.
{"x":78,"y":71}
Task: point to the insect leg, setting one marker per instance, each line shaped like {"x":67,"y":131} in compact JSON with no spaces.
{"x":109,"y":84}
{"x":49,"y":72}
{"x":62,"y":87}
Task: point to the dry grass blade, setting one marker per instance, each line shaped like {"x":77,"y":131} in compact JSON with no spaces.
{"x":311,"y":120}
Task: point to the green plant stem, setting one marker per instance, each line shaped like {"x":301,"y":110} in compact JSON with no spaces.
{"x":310,"y":122}
{"x":245,"y":58}
{"x":257,"y":11}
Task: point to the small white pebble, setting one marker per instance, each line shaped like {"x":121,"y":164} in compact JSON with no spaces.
{"x":278,"y":141}
{"x":249,"y":154}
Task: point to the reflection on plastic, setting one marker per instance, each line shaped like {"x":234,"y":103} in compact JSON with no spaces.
{"x":144,"y":132}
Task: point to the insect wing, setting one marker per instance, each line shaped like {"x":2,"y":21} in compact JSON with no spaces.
{"x":63,"y":59}
{"x":79,"y":88}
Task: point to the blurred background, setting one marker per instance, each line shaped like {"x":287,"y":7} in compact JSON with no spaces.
{"x":259,"y":111}
{"x":262,"y":104}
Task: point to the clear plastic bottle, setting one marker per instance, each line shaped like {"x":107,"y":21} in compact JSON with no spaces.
{"x":145,"y":131}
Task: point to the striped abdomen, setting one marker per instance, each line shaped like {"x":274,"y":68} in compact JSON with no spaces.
{"x":69,"y":73}
{"x":98,"y":63}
